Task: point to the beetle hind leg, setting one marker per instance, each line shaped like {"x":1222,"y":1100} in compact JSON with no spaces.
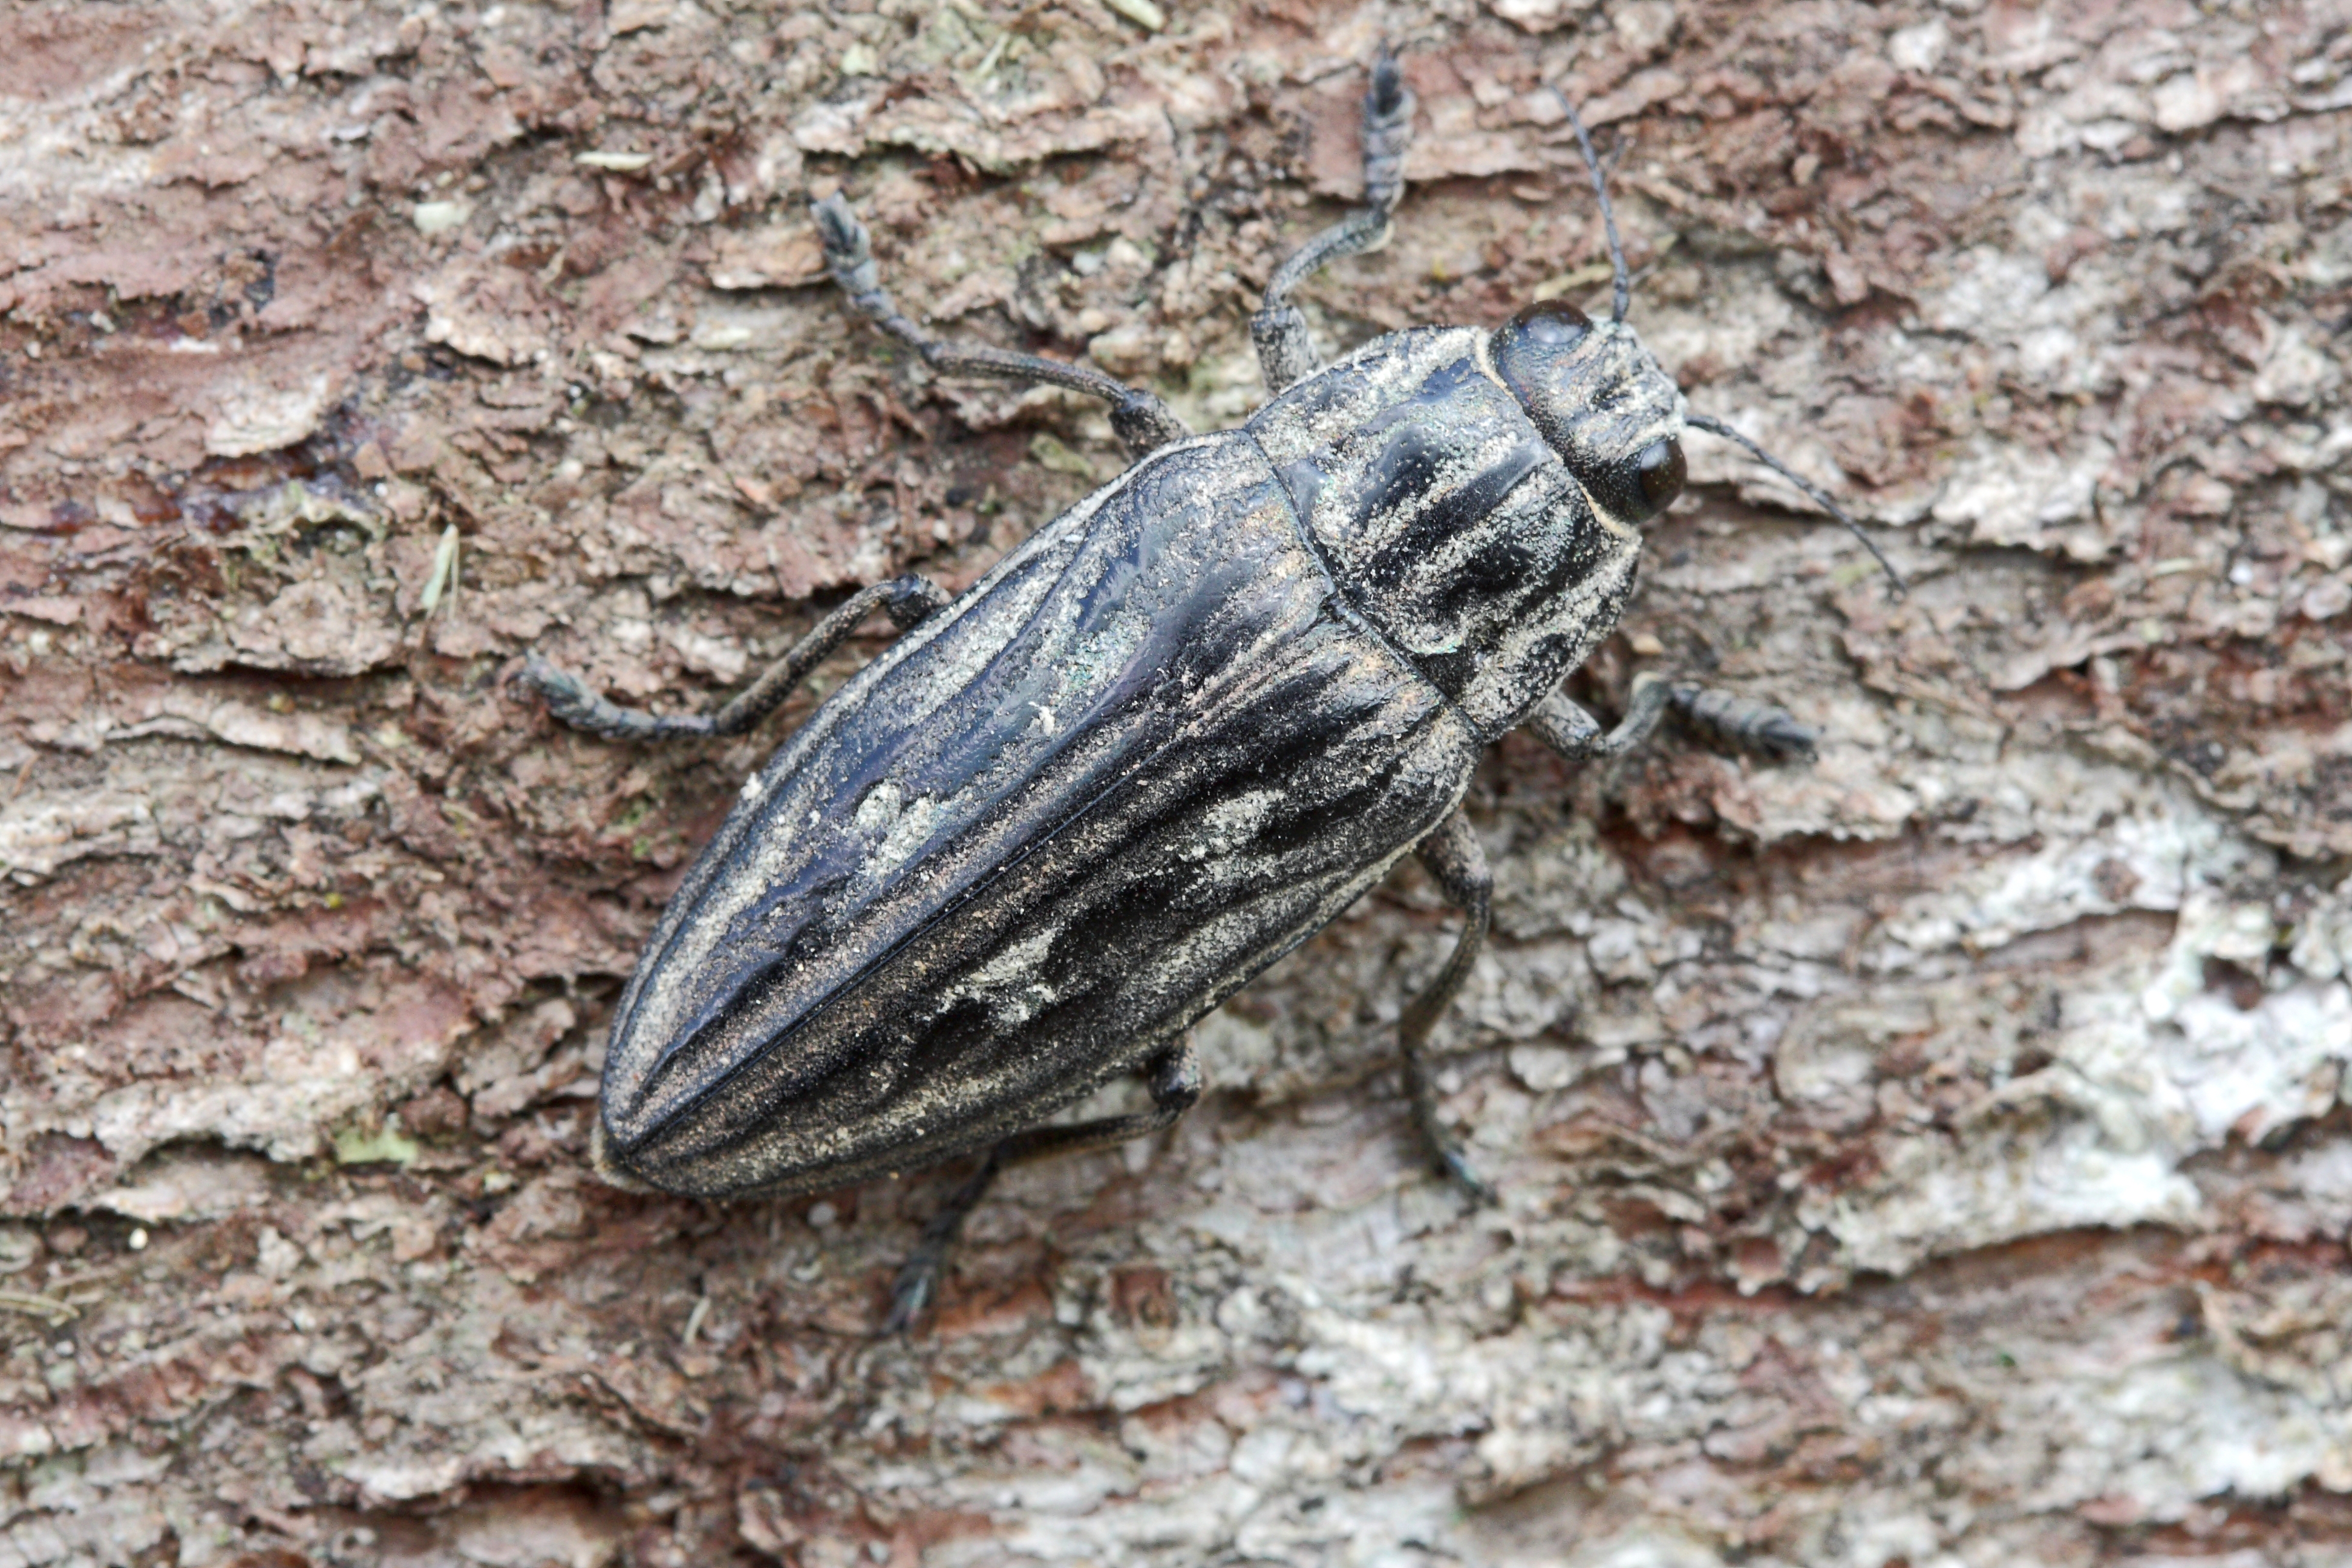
{"x":1175,"y":1083}
{"x":1142,"y":422}
{"x":1453,"y":856}
{"x":908,"y":601}
{"x":1285,"y":350}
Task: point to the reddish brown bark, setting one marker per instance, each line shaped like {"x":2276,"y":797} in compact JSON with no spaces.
{"x":1932,"y":1155}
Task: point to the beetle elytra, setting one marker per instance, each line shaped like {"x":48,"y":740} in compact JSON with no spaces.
{"x":1161,"y":743}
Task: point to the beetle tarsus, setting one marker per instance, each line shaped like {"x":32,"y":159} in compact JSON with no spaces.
{"x":1452,"y":1165}
{"x":1142,"y":422}
{"x":917,"y":1285}
{"x":570,"y":700}
{"x":1285,"y":349}
{"x":1453,"y":856}
{"x":1387,"y":132}
{"x":1743,"y":723}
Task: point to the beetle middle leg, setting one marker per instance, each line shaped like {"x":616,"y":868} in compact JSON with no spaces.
{"x":1175,"y":1083}
{"x":1141,"y":420}
{"x":1286,"y":351}
{"x":1453,"y":856}
{"x":908,"y":601}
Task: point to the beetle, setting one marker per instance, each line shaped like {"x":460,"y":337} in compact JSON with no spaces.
{"x":1157,"y":746}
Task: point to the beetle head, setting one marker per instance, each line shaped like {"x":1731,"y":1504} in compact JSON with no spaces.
{"x":1602,"y":403}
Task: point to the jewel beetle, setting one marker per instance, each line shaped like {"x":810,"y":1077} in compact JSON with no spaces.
{"x":1159,"y":744}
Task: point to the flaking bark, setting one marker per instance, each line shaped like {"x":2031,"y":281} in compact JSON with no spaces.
{"x":1935,"y":1153}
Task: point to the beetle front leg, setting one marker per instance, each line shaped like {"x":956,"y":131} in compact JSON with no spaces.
{"x":1141,"y":421}
{"x":1175,"y":1084}
{"x":1578,"y":736}
{"x":1742,"y":724}
{"x":1732,"y":721}
{"x":1453,"y":856}
{"x":1285,"y":350}
{"x":909,"y":600}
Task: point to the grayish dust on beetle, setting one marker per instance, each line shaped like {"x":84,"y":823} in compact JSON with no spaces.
{"x":1159,"y":745}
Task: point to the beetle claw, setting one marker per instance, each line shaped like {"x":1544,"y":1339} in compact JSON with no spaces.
{"x":918,"y":1284}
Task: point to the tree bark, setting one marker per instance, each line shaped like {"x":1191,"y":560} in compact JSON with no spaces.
{"x":1934,"y":1155}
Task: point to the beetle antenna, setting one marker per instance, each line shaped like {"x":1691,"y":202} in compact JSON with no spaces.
{"x":1821,"y":497}
{"x":1624,"y":284}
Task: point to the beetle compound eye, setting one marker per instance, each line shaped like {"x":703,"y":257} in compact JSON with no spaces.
{"x":1639,"y":489}
{"x":1662,"y":472}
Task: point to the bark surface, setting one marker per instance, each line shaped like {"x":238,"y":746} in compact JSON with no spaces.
{"x":1935,"y":1155}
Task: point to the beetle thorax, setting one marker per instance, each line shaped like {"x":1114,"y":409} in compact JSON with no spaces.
{"x":1450,"y":517}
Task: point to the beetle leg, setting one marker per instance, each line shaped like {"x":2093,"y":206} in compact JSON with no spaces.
{"x":909,"y":600}
{"x":1743,"y":723}
{"x":1286,"y":351}
{"x":1453,"y":856}
{"x":1175,"y":1089}
{"x":918,"y":1277}
{"x":1175,"y":1083}
{"x":1578,"y":736}
{"x":1141,"y":420}
{"x":1732,"y":721}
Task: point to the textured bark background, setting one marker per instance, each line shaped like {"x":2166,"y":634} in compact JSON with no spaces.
{"x":1937,"y":1155}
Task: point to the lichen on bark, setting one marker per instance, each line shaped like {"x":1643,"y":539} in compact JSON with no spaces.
{"x":1937,"y":1155}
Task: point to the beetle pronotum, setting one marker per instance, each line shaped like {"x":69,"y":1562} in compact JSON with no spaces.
{"x":1161,"y":743}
